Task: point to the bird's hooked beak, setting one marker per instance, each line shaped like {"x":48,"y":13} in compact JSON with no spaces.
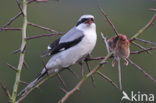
{"x":89,"y":21}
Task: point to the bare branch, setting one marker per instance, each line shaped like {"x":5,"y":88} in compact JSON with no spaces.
{"x":41,"y":35}
{"x":108,"y":79}
{"x":94,"y":58}
{"x":140,"y":46}
{"x":42,"y":27}
{"x":62,"y":81}
{"x":31,"y":1}
{"x":141,"y":51}
{"x":108,"y":20}
{"x":144,"y":28}
{"x":11,"y":28}
{"x":25,"y":83}
{"x":139,"y":68}
{"x":145,"y":41}
{"x":73,"y":72}
{"x":19,"y":6}
{"x":10,"y":21}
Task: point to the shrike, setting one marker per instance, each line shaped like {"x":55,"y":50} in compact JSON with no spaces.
{"x":69,"y":49}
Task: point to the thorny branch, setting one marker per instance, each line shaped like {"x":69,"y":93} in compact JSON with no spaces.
{"x":141,"y":51}
{"x":145,"y":41}
{"x":22,"y":54}
{"x":19,"y":14}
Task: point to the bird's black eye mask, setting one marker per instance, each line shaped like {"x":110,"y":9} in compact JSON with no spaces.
{"x":83,"y":20}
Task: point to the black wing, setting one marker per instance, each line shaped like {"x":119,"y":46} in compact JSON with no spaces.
{"x":57,"y":47}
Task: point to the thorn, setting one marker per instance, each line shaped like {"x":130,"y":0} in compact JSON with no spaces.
{"x":108,"y":79}
{"x":65,"y":91}
{"x":25,"y":83}
{"x":73,"y":72}
{"x":12,"y":67}
{"x":16,"y":51}
{"x":19,"y":6}
{"x":6,"y":91}
{"x":62,"y":81}
{"x":26,"y":64}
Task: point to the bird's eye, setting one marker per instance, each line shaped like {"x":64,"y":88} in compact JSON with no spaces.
{"x":83,"y":20}
{"x":92,"y":19}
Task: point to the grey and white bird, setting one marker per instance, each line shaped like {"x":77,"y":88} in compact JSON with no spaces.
{"x":69,"y":49}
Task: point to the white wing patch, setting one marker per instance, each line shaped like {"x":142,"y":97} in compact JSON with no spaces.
{"x":62,"y":49}
{"x":49,"y":47}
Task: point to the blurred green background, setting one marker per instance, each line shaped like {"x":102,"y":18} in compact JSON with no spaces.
{"x":127,"y":15}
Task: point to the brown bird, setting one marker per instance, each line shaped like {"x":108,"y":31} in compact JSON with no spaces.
{"x":119,"y":45}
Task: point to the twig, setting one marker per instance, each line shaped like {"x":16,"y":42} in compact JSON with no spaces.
{"x":140,"y":46}
{"x":10,"y":28}
{"x":42,"y":27}
{"x":108,"y":79}
{"x":22,"y":54}
{"x":106,"y":43}
{"x":73,"y":72}
{"x":41,"y":35}
{"x":144,"y":28}
{"x":145,"y":41}
{"x":30,"y":1}
{"x":141,"y":51}
{"x":62,"y":81}
{"x":25,"y":83}
{"x":108,"y":20}
{"x":19,"y":14}
{"x":68,"y":94}
{"x":10,"y":21}
{"x":119,"y":73}
{"x":6,"y":91}
{"x":94,"y":58}
{"x":19,"y":6}
{"x":12,"y":67}
{"x":139,"y":68}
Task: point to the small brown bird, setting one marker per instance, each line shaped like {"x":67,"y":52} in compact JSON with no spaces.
{"x":119,"y":45}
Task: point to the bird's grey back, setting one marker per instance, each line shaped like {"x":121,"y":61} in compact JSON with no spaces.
{"x":71,"y":35}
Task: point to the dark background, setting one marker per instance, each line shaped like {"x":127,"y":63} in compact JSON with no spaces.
{"x":127,"y":15}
